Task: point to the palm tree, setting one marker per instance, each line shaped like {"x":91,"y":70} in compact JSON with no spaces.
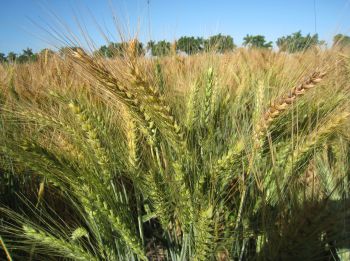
{"x":28,"y":52}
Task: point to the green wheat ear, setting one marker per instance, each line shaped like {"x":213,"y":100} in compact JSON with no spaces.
{"x":203,"y":233}
{"x":208,"y":95}
{"x":192,"y":112}
{"x":300,"y":156}
{"x":64,"y":248}
{"x":298,"y":160}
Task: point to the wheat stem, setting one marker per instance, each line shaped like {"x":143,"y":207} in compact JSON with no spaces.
{"x":7,"y":253}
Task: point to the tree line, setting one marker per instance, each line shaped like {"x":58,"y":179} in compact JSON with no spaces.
{"x":189,"y":45}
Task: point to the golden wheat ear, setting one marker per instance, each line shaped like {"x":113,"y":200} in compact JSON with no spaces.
{"x":280,"y":105}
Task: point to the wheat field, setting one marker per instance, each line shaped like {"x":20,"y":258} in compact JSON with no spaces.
{"x":240,"y":156}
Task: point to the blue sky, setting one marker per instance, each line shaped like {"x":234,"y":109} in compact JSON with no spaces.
{"x":22,"y":21}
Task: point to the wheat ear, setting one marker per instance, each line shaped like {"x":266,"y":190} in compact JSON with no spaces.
{"x":184,"y":207}
{"x":63,"y":247}
{"x":120,"y":226}
{"x":280,"y":105}
{"x":317,"y":137}
{"x":192,"y":112}
{"x":113,"y":86}
{"x":132,"y":144}
{"x":208,"y":95}
{"x":203,"y":233}
{"x":155,"y":103}
{"x":93,"y":139}
{"x":100,"y":211}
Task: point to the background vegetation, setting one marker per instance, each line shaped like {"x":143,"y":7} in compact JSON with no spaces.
{"x":219,"y":43}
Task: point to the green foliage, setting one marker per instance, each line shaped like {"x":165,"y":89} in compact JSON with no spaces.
{"x":341,"y":40}
{"x":11,"y":57}
{"x":219,"y":43}
{"x":190,"y":44}
{"x":104,"y":51}
{"x":2,"y":58}
{"x":118,"y":49}
{"x":256,"y":41}
{"x":296,"y":42}
{"x":160,"y":48}
{"x":26,"y":56}
{"x":46,"y":51}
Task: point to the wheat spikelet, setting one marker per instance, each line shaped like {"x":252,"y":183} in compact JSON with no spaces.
{"x":88,"y":199}
{"x":132,"y":49}
{"x":105,"y":78}
{"x":41,"y":118}
{"x":94,"y":141}
{"x":92,"y":137}
{"x":42,"y":162}
{"x":64,"y":248}
{"x":100,"y":212}
{"x":132,"y":141}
